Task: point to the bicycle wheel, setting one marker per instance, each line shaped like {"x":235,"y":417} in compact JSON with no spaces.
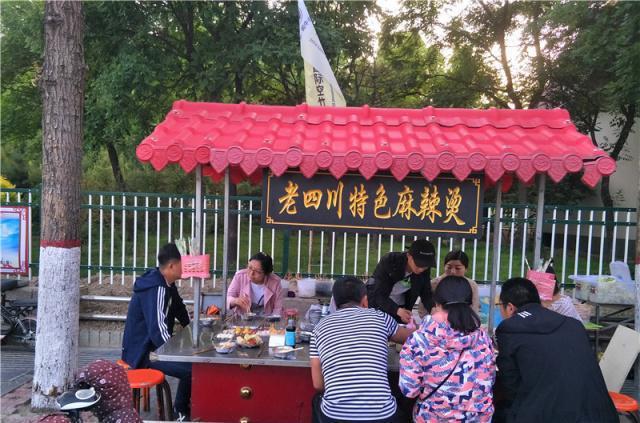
{"x":25,"y":332}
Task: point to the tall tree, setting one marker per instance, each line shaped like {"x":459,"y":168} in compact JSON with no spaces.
{"x":481,"y":33}
{"x":596,"y":73}
{"x":62,"y":86}
{"x":21,"y":50}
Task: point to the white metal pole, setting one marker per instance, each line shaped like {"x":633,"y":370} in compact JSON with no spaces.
{"x":225,"y":238}
{"x":637,"y":277}
{"x":496,"y":254}
{"x":199,"y":250}
{"x":539,"y":221}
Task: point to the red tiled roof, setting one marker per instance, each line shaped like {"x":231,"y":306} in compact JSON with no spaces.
{"x":431,"y":141}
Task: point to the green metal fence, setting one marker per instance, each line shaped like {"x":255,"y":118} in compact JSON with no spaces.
{"x":121,"y":233}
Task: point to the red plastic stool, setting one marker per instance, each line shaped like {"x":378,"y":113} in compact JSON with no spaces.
{"x":146,"y":396}
{"x":625,"y":405}
{"x":145,"y":379}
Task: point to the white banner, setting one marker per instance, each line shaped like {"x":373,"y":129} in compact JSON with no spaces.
{"x":320,"y":84}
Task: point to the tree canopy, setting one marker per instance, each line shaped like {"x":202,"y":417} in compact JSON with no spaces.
{"x":142,"y":56}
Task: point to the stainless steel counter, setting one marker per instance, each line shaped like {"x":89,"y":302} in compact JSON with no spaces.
{"x":180,"y":348}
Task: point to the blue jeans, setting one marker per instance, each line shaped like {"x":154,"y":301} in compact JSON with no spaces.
{"x":182,"y":371}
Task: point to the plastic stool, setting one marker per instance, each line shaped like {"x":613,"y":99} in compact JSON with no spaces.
{"x":145,"y":379}
{"x":140,"y":379}
{"x":625,"y":405}
{"x":146,"y":396}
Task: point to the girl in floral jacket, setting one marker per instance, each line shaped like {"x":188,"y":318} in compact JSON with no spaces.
{"x":449,"y":363}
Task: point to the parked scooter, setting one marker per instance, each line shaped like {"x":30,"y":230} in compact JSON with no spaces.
{"x":77,"y":400}
{"x":102,"y":388}
{"x":18,"y":321}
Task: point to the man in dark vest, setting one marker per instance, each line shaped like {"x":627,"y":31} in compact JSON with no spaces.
{"x":400,"y":278}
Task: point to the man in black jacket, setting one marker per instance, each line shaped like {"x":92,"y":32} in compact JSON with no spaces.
{"x":399,"y":278}
{"x":546,"y":366}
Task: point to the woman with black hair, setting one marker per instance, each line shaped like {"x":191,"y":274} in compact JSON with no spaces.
{"x":562,"y":304}
{"x":449,"y":363}
{"x":256,"y":289}
{"x":456,"y":263}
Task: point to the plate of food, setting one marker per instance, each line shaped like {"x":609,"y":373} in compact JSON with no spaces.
{"x":225,"y":347}
{"x":249,"y":341}
{"x":244,"y":330}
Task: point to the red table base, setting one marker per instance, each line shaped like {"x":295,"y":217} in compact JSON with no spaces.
{"x":261,"y":394}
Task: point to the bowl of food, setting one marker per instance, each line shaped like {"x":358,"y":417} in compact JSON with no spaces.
{"x":273,"y":318}
{"x":249,"y":341}
{"x":285,"y":352}
{"x":249,"y":316}
{"x":225,"y":347}
{"x":224,"y":337}
{"x":206,"y":321}
{"x":305,"y":336}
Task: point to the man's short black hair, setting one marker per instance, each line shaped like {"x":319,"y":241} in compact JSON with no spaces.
{"x":348,"y":289}
{"x":167,"y":253}
{"x":519,"y":291}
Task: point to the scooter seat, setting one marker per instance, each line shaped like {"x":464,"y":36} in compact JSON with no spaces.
{"x":24,"y":303}
{"x":9,"y":284}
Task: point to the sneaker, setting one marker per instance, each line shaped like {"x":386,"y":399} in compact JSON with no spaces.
{"x":182,"y":417}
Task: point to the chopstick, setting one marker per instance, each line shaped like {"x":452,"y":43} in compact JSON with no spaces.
{"x":203,"y":350}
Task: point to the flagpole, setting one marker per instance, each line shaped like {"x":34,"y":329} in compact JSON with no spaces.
{"x":321,"y":86}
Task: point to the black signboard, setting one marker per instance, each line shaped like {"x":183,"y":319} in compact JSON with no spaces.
{"x":413,"y":206}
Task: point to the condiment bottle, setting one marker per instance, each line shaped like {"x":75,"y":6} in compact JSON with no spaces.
{"x":290,"y":333}
{"x":325,"y":309}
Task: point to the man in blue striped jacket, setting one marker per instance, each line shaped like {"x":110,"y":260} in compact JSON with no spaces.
{"x":154,"y":307}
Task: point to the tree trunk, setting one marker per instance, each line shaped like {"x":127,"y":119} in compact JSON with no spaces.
{"x":115,"y":167}
{"x":629,"y":114}
{"x":62,"y":87}
{"x":607,"y":201}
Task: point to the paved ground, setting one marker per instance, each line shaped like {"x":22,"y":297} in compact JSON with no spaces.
{"x":16,"y":373}
{"x":16,"y":365}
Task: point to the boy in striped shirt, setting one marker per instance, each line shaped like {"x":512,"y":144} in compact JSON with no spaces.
{"x":348,"y":353}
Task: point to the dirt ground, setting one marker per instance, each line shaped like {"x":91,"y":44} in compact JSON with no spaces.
{"x":120,"y":287}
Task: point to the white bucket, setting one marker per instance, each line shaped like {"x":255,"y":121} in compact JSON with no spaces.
{"x":307,"y":288}
{"x":284,"y":283}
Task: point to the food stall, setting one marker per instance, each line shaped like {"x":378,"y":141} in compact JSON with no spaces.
{"x":286,"y":145}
